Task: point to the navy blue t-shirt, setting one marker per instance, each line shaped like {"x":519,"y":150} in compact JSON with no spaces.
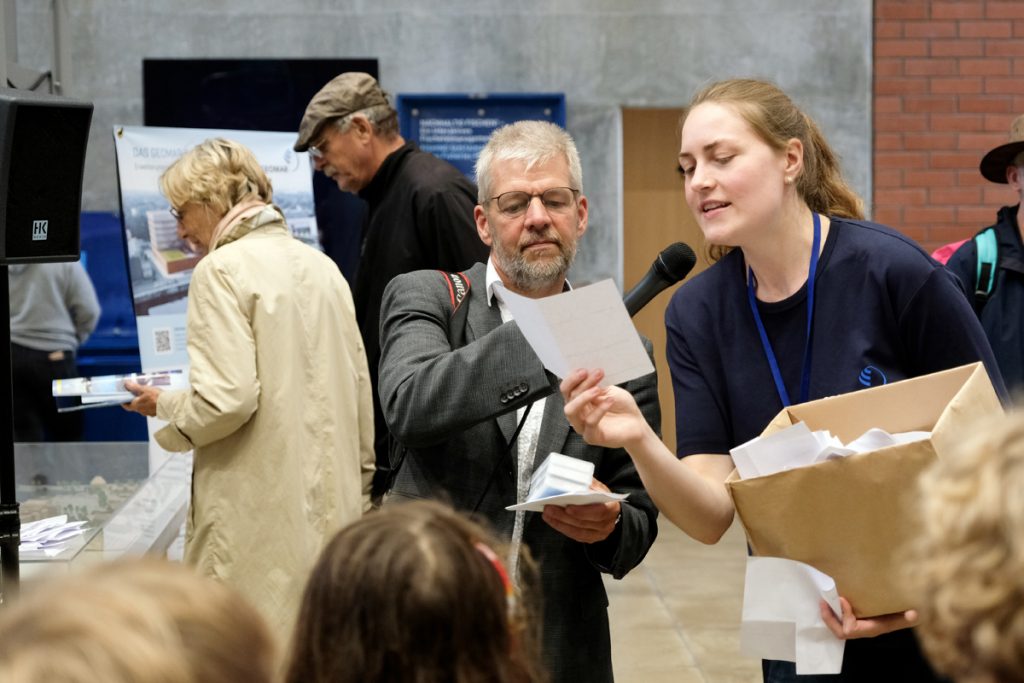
{"x":883,"y":311}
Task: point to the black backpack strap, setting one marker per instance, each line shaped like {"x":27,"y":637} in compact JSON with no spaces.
{"x":458,"y":289}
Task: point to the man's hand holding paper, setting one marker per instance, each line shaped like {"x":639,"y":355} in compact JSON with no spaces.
{"x":585,"y":523}
{"x":572,"y":500}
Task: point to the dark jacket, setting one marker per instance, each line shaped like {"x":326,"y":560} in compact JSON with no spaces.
{"x":1002,"y":316}
{"x":456,"y":410}
{"x":420,"y":216}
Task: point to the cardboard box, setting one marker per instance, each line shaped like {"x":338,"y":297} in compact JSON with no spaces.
{"x":851,"y":517}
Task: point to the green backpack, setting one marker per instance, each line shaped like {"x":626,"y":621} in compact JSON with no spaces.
{"x":988,"y":257}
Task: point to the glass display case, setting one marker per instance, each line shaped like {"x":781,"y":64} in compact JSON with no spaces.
{"x":128,"y":509}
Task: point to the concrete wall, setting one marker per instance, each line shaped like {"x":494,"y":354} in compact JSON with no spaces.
{"x":603,"y":54}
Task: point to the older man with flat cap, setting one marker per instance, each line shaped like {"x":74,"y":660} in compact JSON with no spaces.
{"x":420,"y":207}
{"x":992,"y":264}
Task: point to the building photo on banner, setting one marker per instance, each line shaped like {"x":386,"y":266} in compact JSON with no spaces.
{"x":159,"y":263}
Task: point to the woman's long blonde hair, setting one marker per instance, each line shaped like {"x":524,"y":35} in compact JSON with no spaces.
{"x":776,"y":120}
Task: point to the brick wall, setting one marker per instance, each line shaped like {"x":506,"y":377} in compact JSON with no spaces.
{"x":949,"y":79}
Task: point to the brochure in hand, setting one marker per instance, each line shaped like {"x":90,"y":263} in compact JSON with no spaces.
{"x":79,"y":393}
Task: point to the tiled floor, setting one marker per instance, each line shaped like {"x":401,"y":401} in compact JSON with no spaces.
{"x":675,"y":618}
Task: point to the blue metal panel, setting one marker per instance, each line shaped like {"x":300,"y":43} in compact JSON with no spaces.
{"x":113,"y":348}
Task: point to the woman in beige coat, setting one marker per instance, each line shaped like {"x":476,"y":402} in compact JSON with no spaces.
{"x":279,"y":411}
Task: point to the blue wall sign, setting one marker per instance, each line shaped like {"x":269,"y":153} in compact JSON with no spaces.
{"x":455,"y":127}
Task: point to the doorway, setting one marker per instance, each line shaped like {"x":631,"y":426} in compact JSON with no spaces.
{"x":654,"y":216}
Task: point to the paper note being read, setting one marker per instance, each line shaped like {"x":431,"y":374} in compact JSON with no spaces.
{"x":587,"y":327}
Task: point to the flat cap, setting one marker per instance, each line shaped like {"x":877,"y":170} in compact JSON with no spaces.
{"x":350,"y":92}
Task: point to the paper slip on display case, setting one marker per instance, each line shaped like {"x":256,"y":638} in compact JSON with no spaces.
{"x":126,"y":509}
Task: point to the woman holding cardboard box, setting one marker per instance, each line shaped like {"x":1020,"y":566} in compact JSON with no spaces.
{"x":805,"y":300}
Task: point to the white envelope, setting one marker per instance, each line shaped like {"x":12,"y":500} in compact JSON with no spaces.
{"x":563,"y":499}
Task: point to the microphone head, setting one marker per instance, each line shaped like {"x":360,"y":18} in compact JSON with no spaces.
{"x":675,"y":262}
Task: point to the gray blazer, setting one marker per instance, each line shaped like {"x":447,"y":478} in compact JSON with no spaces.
{"x":454,"y":410}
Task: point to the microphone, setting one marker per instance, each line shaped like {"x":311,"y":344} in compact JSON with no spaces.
{"x":673,"y":264}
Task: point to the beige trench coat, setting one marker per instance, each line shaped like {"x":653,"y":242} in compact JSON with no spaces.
{"x":279,"y":414}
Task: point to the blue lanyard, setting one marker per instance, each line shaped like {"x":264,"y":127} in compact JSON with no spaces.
{"x":805,"y":374}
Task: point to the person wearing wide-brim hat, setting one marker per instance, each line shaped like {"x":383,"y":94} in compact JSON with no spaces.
{"x":1002,"y":164}
{"x":1000,"y":306}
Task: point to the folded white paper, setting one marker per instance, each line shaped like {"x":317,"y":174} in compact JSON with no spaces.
{"x":563,"y":499}
{"x":560,"y":474}
{"x":48,"y":537}
{"x":587,"y":327}
{"x":781,"y":617}
{"x":563,"y":480}
{"x":798,"y":446}
{"x":791,"y":447}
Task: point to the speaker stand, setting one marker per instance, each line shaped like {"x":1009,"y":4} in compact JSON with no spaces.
{"x":10,"y":519}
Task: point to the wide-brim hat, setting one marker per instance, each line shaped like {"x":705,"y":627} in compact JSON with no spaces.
{"x":994,"y":164}
{"x":350,"y":92}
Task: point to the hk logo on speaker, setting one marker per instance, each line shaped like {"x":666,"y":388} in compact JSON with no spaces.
{"x":40,"y":230}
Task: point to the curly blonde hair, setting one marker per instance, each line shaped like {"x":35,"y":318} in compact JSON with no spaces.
{"x":968,"y":567}
{"x":134,"y":620}
{"x":218,"y":173}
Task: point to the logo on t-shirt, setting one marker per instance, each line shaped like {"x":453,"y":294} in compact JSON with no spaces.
{"x":872,"y":377}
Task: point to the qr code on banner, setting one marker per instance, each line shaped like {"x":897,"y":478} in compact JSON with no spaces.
{"x":162,"y":340}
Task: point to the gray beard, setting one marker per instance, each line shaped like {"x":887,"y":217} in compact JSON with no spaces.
{"x":528,"y":276}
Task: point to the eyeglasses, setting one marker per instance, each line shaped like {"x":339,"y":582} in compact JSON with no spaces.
{"x":174,"y":212}
{"x":315,"y":152}
{"x":555,"y":200}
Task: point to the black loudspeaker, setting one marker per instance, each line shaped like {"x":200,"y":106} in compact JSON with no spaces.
{"x":42,"y":159}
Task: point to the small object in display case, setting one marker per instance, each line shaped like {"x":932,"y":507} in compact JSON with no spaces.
{"x":108,"y":488}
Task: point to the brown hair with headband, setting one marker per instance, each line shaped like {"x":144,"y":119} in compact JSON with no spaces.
{"x":416,"y":593}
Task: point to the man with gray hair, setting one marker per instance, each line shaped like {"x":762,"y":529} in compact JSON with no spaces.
{"x":420,"y":207}
{"x":475,"y":410}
